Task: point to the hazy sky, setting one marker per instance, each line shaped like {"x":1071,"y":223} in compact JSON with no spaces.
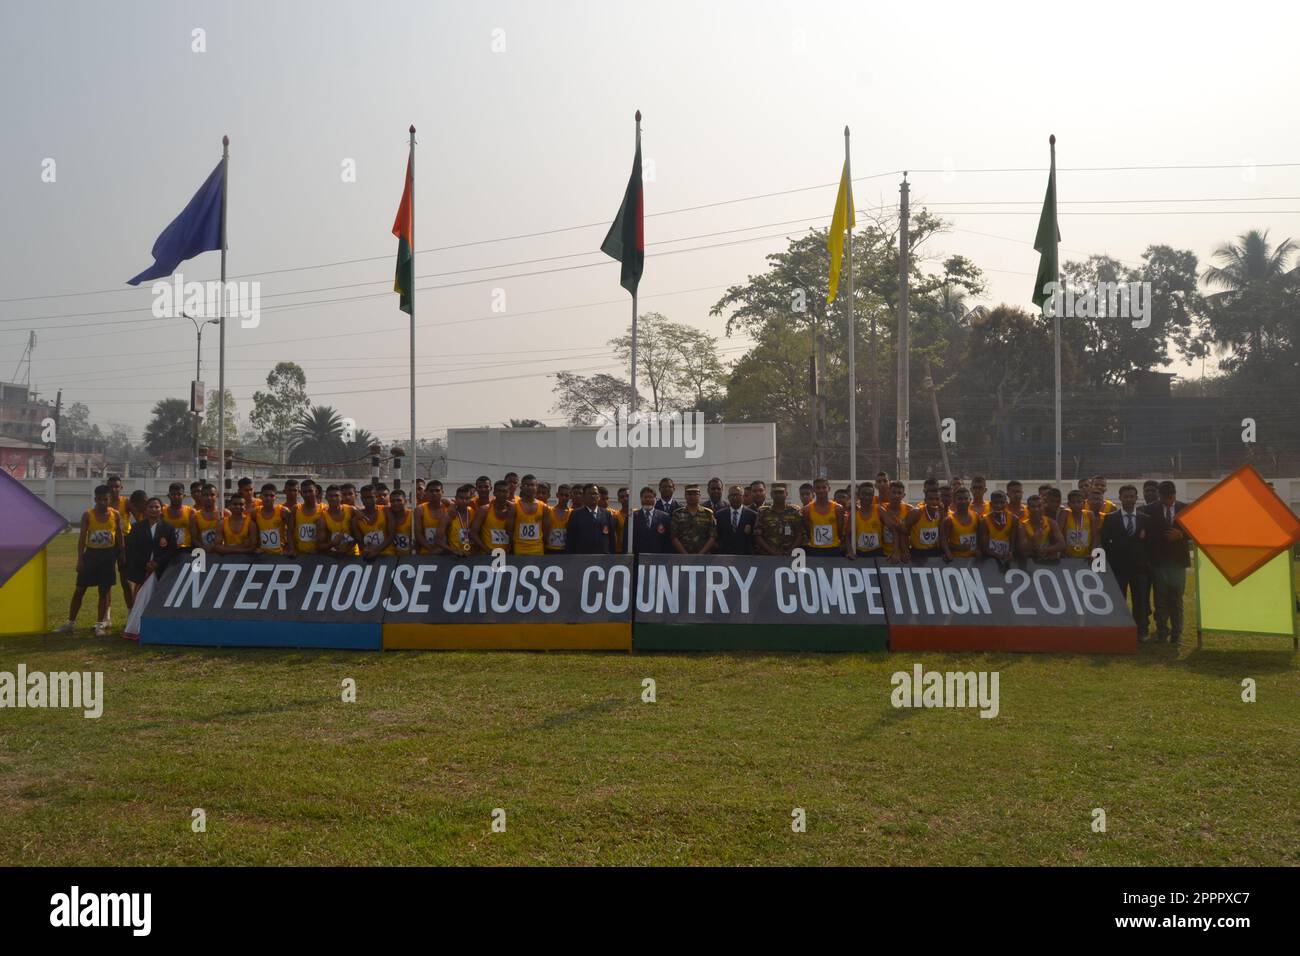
{"x":739,"y":99}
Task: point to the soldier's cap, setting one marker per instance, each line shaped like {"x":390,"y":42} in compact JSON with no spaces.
{"x":694,"y":488}
{"x":779,"y":486}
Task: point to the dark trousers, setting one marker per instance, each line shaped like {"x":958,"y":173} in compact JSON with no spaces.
{"x":1170,"y":582}
{"x":1137,"y":588}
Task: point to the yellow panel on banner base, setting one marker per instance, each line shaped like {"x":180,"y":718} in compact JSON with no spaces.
{"x":509,"y":637}
{"x":1262,"y":603}
{"x":22,"y":599}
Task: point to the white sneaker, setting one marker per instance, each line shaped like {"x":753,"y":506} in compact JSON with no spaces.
{"x":101,"y":629}
{"x":65,"y":628}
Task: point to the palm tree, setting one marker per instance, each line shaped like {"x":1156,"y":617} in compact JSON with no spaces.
{"x":317,"y":436}
{"x":1250,"y":279}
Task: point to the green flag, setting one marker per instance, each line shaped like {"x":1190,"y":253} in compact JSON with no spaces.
{"x":1047,"y":239}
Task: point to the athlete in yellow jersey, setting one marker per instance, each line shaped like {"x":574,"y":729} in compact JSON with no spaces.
{"x":334,"y":526}
{"x":959,"y":534}
{"x":1080,"y":527}
{"x":494,"y":525}
{"x":369,"y":524}
{"x":868,"y":527}
{"x":454,"y":536}
{"x":532,"y":519}
{"x":305,"y":519}
{"x":557,"y":536}
{"x":1015,"y":500}
{"x":205,"y":522}
{"x":272,"y":524}
{"x":1040,"y":537}
{"x":825,"y":521}
{"x":922,"y":526}
{"x":177,"y":514}
{"x":1098,"y":484}
{"x":238,"y":532}
{"x":99,"y":550}
{"x":997,"y":529}
{"x":978,"y":488}
{"x":399,"y":525}
{"x":893,"y":514}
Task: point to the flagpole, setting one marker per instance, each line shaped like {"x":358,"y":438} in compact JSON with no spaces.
{"x":1056,"y":313}
{"x":221,"y":325}
{"x":630,"y":524}
{"x":853,"y":382}
{"x":412,"y":455}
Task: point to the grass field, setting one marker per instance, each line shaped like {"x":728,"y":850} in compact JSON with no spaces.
{"x":709,"y":774}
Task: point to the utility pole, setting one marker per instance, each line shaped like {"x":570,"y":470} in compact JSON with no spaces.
{"x":904,"y":424}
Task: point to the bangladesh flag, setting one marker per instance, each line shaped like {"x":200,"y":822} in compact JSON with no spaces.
{"x":1047,"y":239}
{"x":626,"y":238}
{"x":404,"y":230}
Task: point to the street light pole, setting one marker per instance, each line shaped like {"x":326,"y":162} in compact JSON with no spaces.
{"x":198,"y":376}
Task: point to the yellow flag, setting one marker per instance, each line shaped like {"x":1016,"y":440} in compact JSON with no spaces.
{"x":842,"y":220}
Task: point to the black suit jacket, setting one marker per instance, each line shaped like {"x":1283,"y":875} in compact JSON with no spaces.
{"x":654,"y":537}
{"x":1127,"y":554}
{"x":1160,"y":551}
{"x":143,"y":547}
{"x":590,"y":533}
{"x":741,"y":540}
{"x":668,"y":506}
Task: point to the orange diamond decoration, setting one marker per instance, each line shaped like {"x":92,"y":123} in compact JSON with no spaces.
{"x":1241,"y":524}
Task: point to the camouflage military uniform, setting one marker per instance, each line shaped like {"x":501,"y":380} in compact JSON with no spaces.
{"x":693,"y":530}
{"x":781,"y":530}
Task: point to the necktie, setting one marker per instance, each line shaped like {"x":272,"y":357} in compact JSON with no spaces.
{"x":1169,"y":517}
{"x":735,"y":520}
{"x":1128,"y":523}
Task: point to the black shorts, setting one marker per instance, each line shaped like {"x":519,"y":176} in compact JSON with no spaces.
{"x":98,"y":568}
{"x":926,"y":553}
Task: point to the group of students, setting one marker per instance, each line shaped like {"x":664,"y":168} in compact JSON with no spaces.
{"x":129,"y":537}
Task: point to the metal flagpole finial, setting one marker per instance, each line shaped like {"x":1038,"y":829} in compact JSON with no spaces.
{"x":846,"y":131}
{"x":1051,"y":140}
{"x":412,"y":128}
{"x":638,"y":116}
{"x":225,"y":141}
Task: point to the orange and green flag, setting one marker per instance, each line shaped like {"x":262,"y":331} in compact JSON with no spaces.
{"x":404,"y":230}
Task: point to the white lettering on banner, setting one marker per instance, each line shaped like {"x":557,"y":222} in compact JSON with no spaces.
{"x":744,"y":584}
{"x":280,"y":589}
{"x":352,"y":571}
{"x":250,"y":584}
{"x":617,"y":592}
{"x":319,"y":590}
{"x":400,"y":574}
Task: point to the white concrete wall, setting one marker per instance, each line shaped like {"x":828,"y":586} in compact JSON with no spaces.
{"x":734,"y":453}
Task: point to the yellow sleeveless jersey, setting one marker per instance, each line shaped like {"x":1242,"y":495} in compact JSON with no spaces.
{"x":824,"y":529}
{"x":209,"y":529}
{"x":493,"y":532}
{"x":235,"y":537}
{"x":620,"y":522}
{"x":1078,"y":532}
{"x":341,"y":525}
{"x":528,"y":529}
{"x":1038,"y":536}
{"x":868,"y":530}
{"x":125,"y":514}
{"x":403,"y":539}
{"x":924,"y":535}
{"x":1020,"y":515}
{"x":101,"y":534}
{"x":559,"y":535}
{"x":371,"y":529}
{"x":304,"y":528}
{"x":962,"y":534}
{"x":272,"y":535}
{"x":430,"y":521}
{"x":181,"y":524}
{"x":1000,"y":536}
{"x":887,"y":533}
{"x":458,"y":528}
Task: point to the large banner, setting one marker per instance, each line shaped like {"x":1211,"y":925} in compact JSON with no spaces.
{"x":675,"y":602}
{"x":978,"y":604}
{"x":733,"y":602}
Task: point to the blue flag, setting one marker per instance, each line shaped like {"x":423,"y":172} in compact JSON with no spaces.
{"x":197,"y":229}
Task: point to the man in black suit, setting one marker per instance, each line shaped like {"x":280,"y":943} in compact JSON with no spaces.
{"x":150,"y":545}
{"x":1167,"y":550}
{"x":715,"y":502}
{"x":652,"y":528}
{"x":736,"y":524}
{"x":667,"y":503}
{"x":1124,"y":535}
{"x":591,"y":527}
